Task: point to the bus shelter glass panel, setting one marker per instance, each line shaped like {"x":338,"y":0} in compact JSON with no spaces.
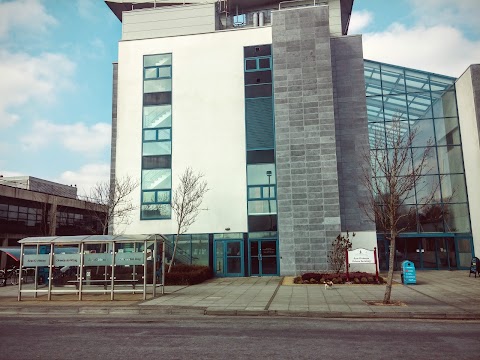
{"x":66,"y":267}
{"x":34,"y":267}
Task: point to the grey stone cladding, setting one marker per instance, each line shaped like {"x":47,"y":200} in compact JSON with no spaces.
{"x":306,"y":161}
{"x":351,"y":130}
{"x":113,"y":154}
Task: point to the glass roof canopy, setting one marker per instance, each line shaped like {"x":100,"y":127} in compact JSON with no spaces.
{"x":395,"y":92}
{"x":389,"y":80}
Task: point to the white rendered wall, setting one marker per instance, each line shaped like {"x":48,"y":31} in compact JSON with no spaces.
{"x":365,"y":240}
{"x":208,"y":122}
{"x":471,"y":150}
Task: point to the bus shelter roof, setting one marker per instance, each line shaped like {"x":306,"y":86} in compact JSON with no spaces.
{"x":78,"y":239}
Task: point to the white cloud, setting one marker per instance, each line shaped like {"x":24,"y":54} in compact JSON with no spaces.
{"x":359,"y":21}
{"x":457,"y":13}
{"x":78,"y":137}
{"x":6,"y":173}
{"x":87,"y":8}
{"x":98,"y":50}
{"x":86,"y":177}
{"x":27,"y":78}
{"x":24,"y":15}
{"x":440,"y":49}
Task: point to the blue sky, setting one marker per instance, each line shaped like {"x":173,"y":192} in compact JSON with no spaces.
{"x":56,"y":73}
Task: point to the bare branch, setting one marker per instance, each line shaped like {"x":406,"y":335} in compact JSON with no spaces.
{"x":393,"y":182}
{"x":186,"y":201}
{"x":115,"y":197}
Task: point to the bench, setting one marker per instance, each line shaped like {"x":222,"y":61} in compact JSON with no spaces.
{"x":105,"y":283}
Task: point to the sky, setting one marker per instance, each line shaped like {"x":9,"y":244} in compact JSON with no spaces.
{"x":56,"y":73}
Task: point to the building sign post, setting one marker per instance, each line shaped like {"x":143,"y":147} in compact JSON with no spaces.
{"x":347,"y":264}
{"x":361,"y":256}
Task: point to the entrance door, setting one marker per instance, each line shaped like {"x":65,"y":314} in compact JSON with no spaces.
{"x":428,"y":248}
{"x":263,"y":257}
{"x":446,"y":253}
{"x":228,"y":258}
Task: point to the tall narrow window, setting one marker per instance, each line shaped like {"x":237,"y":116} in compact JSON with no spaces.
{"x":157,"y":137}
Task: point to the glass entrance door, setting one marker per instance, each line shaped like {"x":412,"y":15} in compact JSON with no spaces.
{"x":446,"y":253}
{"x":263,"y":257}
{"x":428,"y":252}
{"x":228,"y":258}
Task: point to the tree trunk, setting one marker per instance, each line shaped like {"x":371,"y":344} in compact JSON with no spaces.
{"x":174,"y":252}
{"x":391,"y":264}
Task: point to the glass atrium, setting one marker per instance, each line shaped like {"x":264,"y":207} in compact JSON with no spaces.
{"x":438,"y":235}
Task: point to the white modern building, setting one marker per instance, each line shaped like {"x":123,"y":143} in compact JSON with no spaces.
{"x":273,"y":102}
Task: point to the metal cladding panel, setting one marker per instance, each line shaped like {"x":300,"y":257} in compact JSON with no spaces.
{"x":170,"y":21}
{"x":259,"y":115}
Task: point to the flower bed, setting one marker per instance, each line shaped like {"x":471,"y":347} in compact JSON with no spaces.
{"x":187,"y":275}
{"x":355,"y":278}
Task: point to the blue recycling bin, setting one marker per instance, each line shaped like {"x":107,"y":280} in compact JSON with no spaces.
{"x":409,"y":274}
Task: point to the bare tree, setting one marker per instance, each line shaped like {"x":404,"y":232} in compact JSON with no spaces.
{"x":115,"y":199}
{"x":49,"y":209}
{"x":396,"y":169}
{"x":186,"y":201}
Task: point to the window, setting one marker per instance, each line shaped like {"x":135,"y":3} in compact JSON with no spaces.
{"x":157,"y":134}
{"x":156,"y":179}
{"x":261,"y":189}
{"x":261,"y":174}
{"x":261,"y":192}
{"x":157,"y":60}
{"x":157,"y":85}
{"x":155,"y":211}
{"x":240,"y":20}
{"x":157,"y":162}
{"x":158,"y":72}
{"x":259,"y":63}
{"x":157,"y":116}
{"x":161,"y":197}
{"x":157,"y":148}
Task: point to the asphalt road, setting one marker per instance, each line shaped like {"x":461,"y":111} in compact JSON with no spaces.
{"x":234,"y":338}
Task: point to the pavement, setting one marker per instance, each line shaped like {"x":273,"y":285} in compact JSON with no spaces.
{"x":437,"y":295}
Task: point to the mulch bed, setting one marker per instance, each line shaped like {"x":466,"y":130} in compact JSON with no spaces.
{"x":380,"y":303}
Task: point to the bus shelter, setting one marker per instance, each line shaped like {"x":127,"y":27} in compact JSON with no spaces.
{"x":93,"y":264}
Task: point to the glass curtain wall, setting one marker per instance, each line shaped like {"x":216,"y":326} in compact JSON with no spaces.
{"x":261,"y":169}
{"x":191,"y":249}
{"x":157,"y":137}
{"x":423,"y":103}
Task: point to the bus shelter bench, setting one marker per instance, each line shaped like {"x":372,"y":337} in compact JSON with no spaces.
{"x":105,"y":283}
